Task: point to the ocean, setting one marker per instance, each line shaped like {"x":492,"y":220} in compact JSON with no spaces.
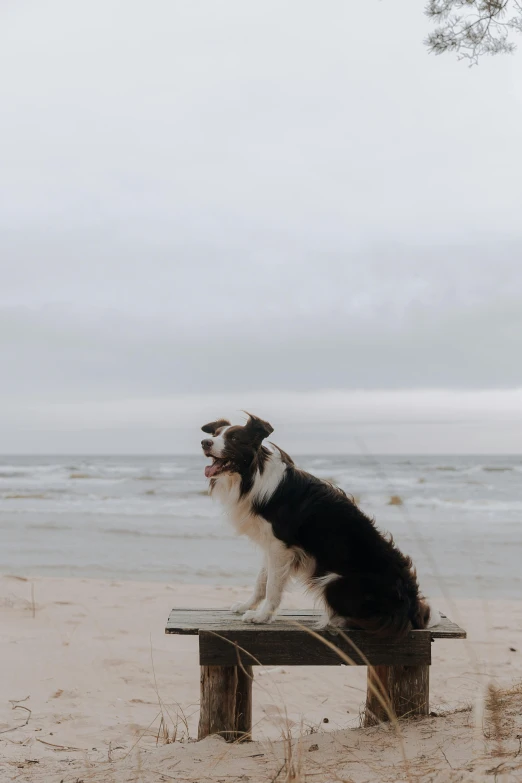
{"x":150,"y":518}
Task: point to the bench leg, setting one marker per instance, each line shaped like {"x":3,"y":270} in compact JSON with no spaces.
{"x":406,"y":687}
{"x":226,"y":702}
{"x":245,"y":677}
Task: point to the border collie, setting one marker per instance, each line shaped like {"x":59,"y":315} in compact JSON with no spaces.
{"x":311,"y":529}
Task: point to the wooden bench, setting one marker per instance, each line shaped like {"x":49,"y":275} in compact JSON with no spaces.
{"x":229,"y":648}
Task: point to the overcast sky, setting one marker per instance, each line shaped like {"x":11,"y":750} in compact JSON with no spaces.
{"x":285,"y":206}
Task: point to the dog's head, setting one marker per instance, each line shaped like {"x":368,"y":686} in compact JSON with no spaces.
{"x":233,"y":448}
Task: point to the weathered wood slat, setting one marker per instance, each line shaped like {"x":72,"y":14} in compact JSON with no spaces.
{"x":295,"y":647}
{"x":191,"y":621}
{"x":447,"y":629}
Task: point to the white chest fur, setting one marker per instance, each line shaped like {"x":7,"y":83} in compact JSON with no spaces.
{"x":239,"y":509}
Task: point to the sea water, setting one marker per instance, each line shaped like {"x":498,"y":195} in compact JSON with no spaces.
{"x":150,"y":518}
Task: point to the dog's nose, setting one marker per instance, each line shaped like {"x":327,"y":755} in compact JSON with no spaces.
{"x":206,"y":444}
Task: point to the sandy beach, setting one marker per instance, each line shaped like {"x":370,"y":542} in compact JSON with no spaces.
{"x":85,"y":660}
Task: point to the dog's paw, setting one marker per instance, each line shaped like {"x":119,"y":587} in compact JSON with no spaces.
{"x":322,"y":623}
{"x":240,"y":607}
{"x":258,"y":616}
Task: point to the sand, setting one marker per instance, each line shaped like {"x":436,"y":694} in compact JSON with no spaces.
{"x":84,"y":661}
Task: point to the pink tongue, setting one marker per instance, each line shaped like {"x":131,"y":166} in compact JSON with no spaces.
{"x":210,"y":470}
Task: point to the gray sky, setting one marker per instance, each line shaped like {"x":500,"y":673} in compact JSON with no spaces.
{"x":213,"y":206}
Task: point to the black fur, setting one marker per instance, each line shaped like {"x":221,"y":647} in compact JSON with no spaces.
{"x":378,"y":589}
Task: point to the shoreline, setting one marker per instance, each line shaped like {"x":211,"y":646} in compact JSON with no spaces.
{"x":466,"y":588}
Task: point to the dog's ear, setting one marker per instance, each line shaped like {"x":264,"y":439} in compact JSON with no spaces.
{"x":260,"y":429}
{"x":213,"y":426}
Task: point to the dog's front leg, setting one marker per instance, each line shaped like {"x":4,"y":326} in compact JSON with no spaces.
{"x":257,"y":596}
{"x":278,"y":563}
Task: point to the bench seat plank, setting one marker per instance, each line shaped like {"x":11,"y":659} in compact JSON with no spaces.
{"x":192,"y":621}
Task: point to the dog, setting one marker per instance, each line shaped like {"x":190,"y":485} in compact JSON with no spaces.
{"x":309,"y":528}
